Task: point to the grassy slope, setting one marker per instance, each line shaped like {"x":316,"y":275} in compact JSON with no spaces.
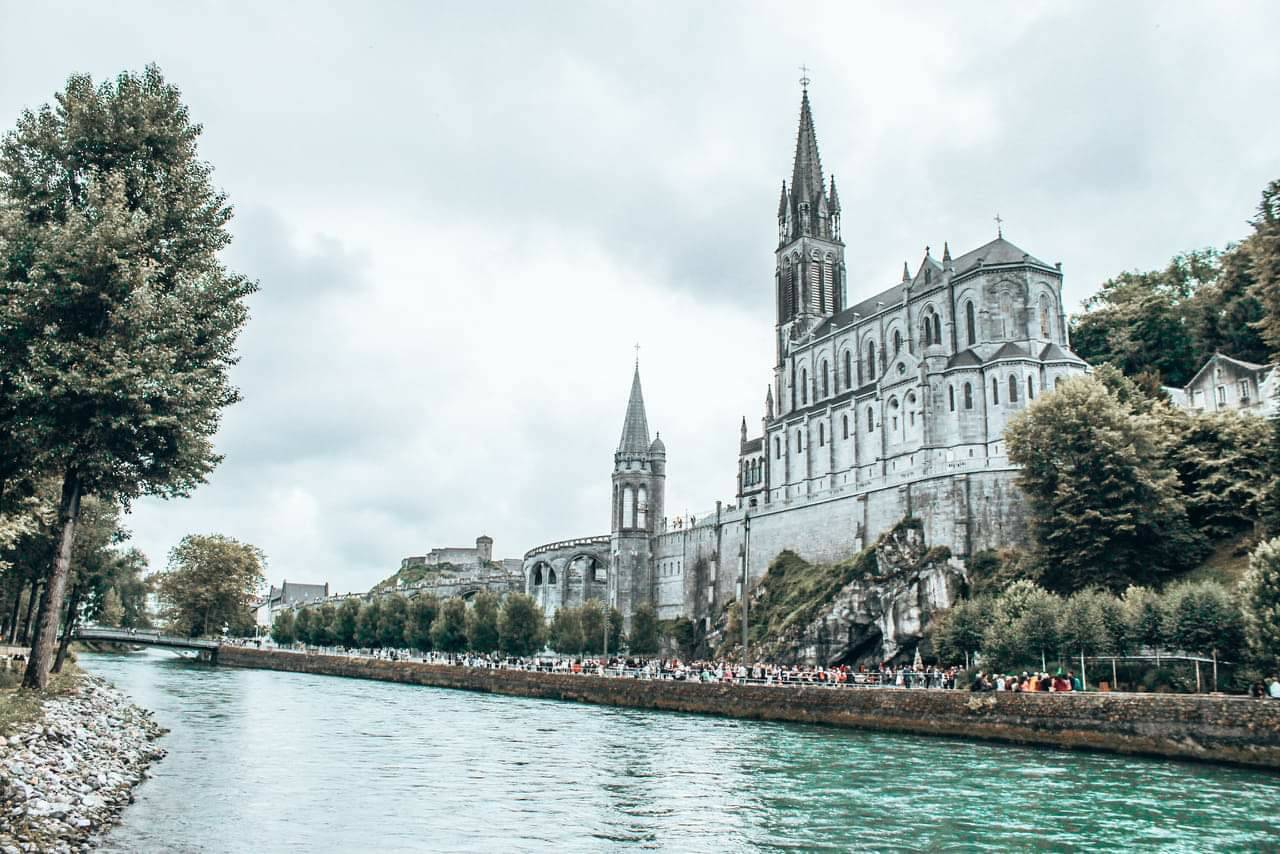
{"x":19,"y":707}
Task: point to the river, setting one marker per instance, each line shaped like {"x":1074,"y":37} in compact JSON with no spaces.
{"x":265,"y":761}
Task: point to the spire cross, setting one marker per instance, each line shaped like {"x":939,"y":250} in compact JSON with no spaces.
{"x":999,"y":226}
{"x":804,"y":77}
{"x":637,"y":349}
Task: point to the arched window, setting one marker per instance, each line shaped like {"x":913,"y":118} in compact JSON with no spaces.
{"x":822,"y":435}
{"x":897,"y":341}
{"x":951,"y":398}
{"x":995,"y":391}
{"x":777,"y":447}
{"x":628,"y":507}
{"x":642,"y":507}
{"x":1013,"y":389}
{"x":826,"y":379}
{"x":537,"y":576}
{"x":893,"y":414}
{"x":804,"y":386}
{"x":970,"y":323}
{"x":1031,"y":389}
{"x":551,"y":576}
{"x":937,"y":329}
{"x":968,"y":396}
{"x":928,"y":331}
{"x":871,"y":420}
{"x":844,"y":420}
{"x":1045,"y":326}
{"x":799,"y":441}
{"x":848,"y":370}
{"x":871,"y":361}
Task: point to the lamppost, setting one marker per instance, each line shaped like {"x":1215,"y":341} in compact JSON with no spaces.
{"x":746,"y":562}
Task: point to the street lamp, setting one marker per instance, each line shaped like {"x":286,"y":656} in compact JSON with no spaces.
{"x":746,"y":562}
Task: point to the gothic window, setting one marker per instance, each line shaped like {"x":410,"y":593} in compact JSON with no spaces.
{"x":814,"y":286}
{"x":968,"y":396}
{"x":937,"y":329}
{"x":928,"y":332}
{"x":826,"y":379}
{"x":845,"y":425}
{"x":537,"y":576}
{"x":642,"y":507}
{"x":1013,"y":389}
{"x":897,"y":341}
{"x":777,"y":447}
{"x":799,"y":441}
{"x":804,"y":386}
{"x":970,"y":323}
{"x":1031,"y":390}
{"x":1044,"y":316}
{"x":822,"y":435}
{"x":893,"y":414}
{"x":871,"y":361}
{"x":848,"y":369}
{"x":628,"y":507}
{"x":1006,"y":315}
{"x":551,"y":576}
{"x":871,"y":420}
{"x":995,"y":391}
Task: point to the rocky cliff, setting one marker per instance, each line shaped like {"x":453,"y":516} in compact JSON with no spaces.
{"x":874,"y":607}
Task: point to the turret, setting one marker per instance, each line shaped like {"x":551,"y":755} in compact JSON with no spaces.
{"x":639,"y":486}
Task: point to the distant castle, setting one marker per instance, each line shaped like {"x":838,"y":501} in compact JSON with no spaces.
{"x":891,"y":406}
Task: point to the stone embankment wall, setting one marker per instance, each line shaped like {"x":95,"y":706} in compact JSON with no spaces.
{"x":1219,"y":729}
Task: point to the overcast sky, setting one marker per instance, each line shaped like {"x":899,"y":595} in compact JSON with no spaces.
{"x":462,"y":217}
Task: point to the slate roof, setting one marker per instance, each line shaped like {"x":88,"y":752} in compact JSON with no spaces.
{"x":635,"y":428}
{"x":806,"y":175}
{"x":964,"y":359}
{"x":1009,"y":351}
{"x":1052,"y":353}
{"x":752,"y":445}
{"x":1248,"y":366}
{"x":998,"y":251}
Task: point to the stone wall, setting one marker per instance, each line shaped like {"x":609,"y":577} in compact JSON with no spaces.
{"x":1220,"y":729}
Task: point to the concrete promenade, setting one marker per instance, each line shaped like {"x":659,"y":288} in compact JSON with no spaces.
{"x":1234,"y":730}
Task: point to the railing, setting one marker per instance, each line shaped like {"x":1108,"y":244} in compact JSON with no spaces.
{"x":602,"y":539}
{"x":142,"y":636}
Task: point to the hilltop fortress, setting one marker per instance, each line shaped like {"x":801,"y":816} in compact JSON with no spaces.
{"x":880,"y":408}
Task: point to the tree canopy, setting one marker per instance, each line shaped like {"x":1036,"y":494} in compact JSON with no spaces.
{"x":210,"y":582}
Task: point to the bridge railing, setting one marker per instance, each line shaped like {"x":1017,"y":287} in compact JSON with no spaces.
{"x":142,"y":636}
{"x":602,"y":539}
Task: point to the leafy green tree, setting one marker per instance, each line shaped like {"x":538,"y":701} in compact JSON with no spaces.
{"x":118,"y":322}
{"x":1260,"y":598}
{"x":1105,"y":508}
{"x":449,"y":629}
{"x":644,"y":631}
{"x":112,"y":612}
{"x":1224,"y":468}
{"x":591,"y":616}
{"x":1264,"y":266}
{"x":422,"y":613}
{"x":210,"y":581}
{"x":565,"y":634}
{"x":391,"y":623}
{"x":1037,"y":629}
{"x":520,"y":625}
{"x":367,"y":634}
{"x":958,"y":632}
{"x":282,"y":628}
{"x":615,"y":630}
{"x":1144,"y":618}
{"x":1082,"y":626}
{"x":482,"y":623}
{"x":324,"y":625}
{"x":344,"y":623}
{"x":1201,"y":618}
{"x":1225,"y":313}
{"x":304,"y":626}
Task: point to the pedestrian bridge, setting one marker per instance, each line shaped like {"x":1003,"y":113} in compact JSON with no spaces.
{"x":208,"y":649}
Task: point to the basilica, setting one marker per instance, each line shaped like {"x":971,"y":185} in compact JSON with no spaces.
{"x":879,"y":406}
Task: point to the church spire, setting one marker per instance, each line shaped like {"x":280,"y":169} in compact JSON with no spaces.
{"x":806,"y":175}
{"x":635,"y":429}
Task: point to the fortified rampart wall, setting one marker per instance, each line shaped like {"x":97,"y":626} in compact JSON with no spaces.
{"x":1220,"y":729}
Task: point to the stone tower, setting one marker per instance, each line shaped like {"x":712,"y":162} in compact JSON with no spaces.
{"x":639,"y":483}
{"x":810,"y":272}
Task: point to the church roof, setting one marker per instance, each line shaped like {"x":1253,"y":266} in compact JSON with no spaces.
{"x":1009,"y":351}
{"x":866,"y":308}
{"x":752,"y":445}
{"x":998,"y":251}
{"x":964,"y":359}
{"x":635,"y":429}
{"x":1053,"y":353}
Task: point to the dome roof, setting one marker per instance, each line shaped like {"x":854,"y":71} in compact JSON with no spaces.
{"x":657,"y":447}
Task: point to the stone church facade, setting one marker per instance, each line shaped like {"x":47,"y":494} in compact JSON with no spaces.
{"x":878,"y":408}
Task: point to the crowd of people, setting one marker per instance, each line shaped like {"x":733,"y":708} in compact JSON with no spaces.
{"x":1059,"y":683}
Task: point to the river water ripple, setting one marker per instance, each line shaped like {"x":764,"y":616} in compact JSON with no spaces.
{"x":267,"y":761}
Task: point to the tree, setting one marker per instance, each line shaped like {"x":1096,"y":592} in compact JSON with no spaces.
{"x":391,"y":623}
{"x":449,"y":629}
{"x":1144,"y":618}
{"x":367,"y":634}
{"x":344,"y":623}
{"x":112,"y":612}
{"x":1105,"y":507}
{"x":282,"y":628}
{"x":959,"y":631}
{"x":1037,"y":628}
{"x":210,"y":581}
{"x":520,"y":625}
{"x":482,"y":623}
{"x":615,"y":630}
{"x":1260,"y":599}
{"x":1224,"y":468}
{"x":1201,"y":618}
{"x":565,"y":634}
{"x":324,"y":625}
{"x":1082,"y":626}
{"x":644,"y":631}
{"x":1264,"y":267}
{"x":422,"y":613}
{"x":304,"y":626}
{"x":591,"y":616}
{"x":118,"y":323}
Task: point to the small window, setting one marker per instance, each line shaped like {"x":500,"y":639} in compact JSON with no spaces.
{"x":777,"y":447}
{"x":1031,"y":389}
{"x":871,"y":361}
{"x":804,"y":386}
{"x":844,"y":420}
{"x":968,"y":396}
{"x":897,"y":341}
{"x":1013,"y":389}
{"x":951,"y":398}
{"x":799,"y":442}
{"x":822,"y":435}
{"x":995,"y":391}
{"x":848,"y":369}
{"x":871,"y":420}
{"x":928,"y":332}
{"x":937,"y":329}
{"x":1222,"y":394}
{"x":826,"y":379}
{"x":971,"y":324}
{"x":1244,"y":390}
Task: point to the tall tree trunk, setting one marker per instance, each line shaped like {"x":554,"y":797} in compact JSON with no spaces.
{"x":73,"y":614}
{"x":33,"y":597}
{"x":15,"y":611}
{"x":37,"y":675}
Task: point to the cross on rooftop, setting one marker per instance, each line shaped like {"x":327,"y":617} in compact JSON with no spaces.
{"x":999,"y":226}
{"x":804,"y":76}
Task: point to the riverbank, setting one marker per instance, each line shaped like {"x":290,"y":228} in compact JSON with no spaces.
{"x":69,"y":764}
{"x":1207,"y":728}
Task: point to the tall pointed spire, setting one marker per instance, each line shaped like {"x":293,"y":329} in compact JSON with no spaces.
{"x":806,"y":175}
{"x":906,"y":274}
{"x":635,"y":429}
{"x":782,"y":203}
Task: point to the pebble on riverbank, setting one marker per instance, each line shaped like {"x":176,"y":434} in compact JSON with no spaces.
{"x":67,"y":776}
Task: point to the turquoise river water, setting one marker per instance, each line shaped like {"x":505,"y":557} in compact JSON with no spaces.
{"x":261,"y":761}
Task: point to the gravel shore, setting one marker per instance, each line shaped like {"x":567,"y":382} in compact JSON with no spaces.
{"x":66,"y":778}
